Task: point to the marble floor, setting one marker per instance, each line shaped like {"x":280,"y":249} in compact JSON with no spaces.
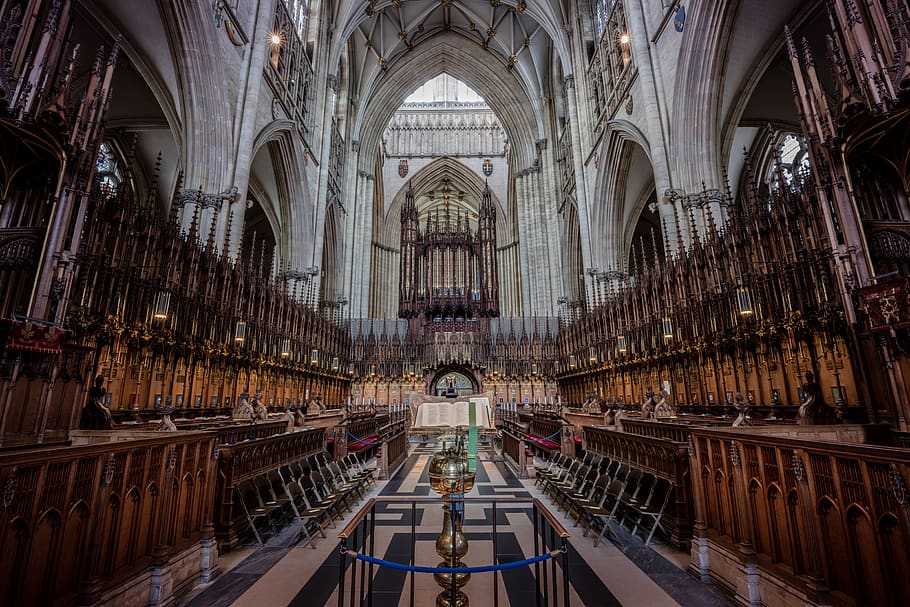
{"x":284,"y":572}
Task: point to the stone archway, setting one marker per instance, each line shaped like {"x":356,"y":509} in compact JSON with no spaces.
{"x":454,"y":381}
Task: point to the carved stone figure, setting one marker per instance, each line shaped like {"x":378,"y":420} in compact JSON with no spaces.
{"x":814,"y":409}
{"x":591,"y":405}
{"x":664,"y":407}
{"x":95,"y":415}
{"x":610,"y":412}
{"x":167,"y":424}
{"x":313,"y":407}
{"x":243,"y":411}
{"x":290,"y":418}
{"x":743,"y":407}
{"x":647,"y":407}
{"x":260,"y":412}
{"x":299,"y":419}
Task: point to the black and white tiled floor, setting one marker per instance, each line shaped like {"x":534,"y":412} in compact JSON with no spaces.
{"x":285,"y":573}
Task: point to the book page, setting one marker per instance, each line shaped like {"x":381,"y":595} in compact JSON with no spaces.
{"x":460,"y":414}
{"x":484,"y":416}
{"x":448,"y":414}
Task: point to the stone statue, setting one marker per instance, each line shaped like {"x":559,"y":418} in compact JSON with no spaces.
{"x":299,"y":419}
{"x":95,"y":415}
{"x":313,"y":408}
{"x":647,"y":407}
{"x":260,"y":412}
{"x":591,"y":405}
{"x":242,"y":411}
{"x":610,"y":412}
{"x":664,"y":408}
{"x":290,"y":418}
{"x":743,"y":407}
{"x":167,"y":424}
{"x":814,"y":409}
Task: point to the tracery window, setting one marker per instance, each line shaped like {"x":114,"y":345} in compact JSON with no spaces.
{"x":289,"y":71}
{"x":612,"y":69}
{"x":600,"y":10}
{"x":299,"y":15}
{"x":107,"y":170}
{"x":794,"y":162}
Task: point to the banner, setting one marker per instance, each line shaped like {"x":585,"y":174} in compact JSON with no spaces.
{"x":888,"y":305}
{"x":35,"y":337}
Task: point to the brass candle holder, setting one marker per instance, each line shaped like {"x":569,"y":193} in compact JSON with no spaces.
{"x":450,"y":475}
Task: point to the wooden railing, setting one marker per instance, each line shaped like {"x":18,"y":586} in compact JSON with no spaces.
{"x":661,"y":457}
{"x":675,"y":432}
{"x":394,"y":446}
{"x":249,"y":459}
{"x":77,"y":521}
{"x":363,"y":428}
{"x":827,"y":522}
{"x":513,"y":444}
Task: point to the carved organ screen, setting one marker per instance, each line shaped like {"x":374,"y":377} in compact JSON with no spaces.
{"x":448,"y":270}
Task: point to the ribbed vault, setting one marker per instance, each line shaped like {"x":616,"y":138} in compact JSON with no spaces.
{"x":500,"y":87}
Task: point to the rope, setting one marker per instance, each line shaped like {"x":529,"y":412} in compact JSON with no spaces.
{"x":552,"y":436}
{"x":482,"y":569}
{"x":368,"y":441}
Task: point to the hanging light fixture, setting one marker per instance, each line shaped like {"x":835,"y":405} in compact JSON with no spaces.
{"x":621,"y":343}
{"x":240,"y":331}
{"x":334,"y":363}
{"x":572,"y":362}
{"x":162,"y":305}
{"x":668,"y":328}
{"x":314,"y":356}
{"x":285,"y":347}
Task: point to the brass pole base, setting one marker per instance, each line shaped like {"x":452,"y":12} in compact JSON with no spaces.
{"x":444,"y":599}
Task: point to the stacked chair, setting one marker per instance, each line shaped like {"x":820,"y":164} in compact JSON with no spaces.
{"x":314,"y":492}
{"x":600,"y":492}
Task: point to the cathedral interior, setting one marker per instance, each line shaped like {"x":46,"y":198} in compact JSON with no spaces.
{"x":616,"y":293}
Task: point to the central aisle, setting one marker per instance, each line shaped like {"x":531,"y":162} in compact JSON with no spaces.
{"x":298,"y":576}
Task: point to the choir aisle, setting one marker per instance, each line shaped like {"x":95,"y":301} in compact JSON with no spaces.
{"x":286,"y":572}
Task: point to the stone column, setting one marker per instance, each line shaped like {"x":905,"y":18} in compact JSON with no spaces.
{"x":581,"y":197}
{"x":352,"y":176}
{"x":555,"y":245}
{"x":524,"y":261}
{"x":329,"y":98}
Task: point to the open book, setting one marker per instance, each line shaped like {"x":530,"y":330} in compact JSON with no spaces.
{"x":451,"y":415}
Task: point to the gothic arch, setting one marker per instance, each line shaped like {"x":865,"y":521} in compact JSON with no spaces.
{"x":500,"y":87}
{"x":464,"y":176}
{"x":284,"y":185}
{"x":625,"y":181}
{"x":467,"y":372}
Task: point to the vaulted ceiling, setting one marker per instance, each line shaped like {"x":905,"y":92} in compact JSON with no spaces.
{"x":518,"y":38}
{"x":388,"y":30}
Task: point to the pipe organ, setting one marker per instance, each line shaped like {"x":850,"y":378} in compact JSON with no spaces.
{"x":447,"y":269}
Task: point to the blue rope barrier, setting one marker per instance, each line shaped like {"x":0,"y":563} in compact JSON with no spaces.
{"x":360,"y":440}
{"x":456,"y":570}
{"x":552,"y":436}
